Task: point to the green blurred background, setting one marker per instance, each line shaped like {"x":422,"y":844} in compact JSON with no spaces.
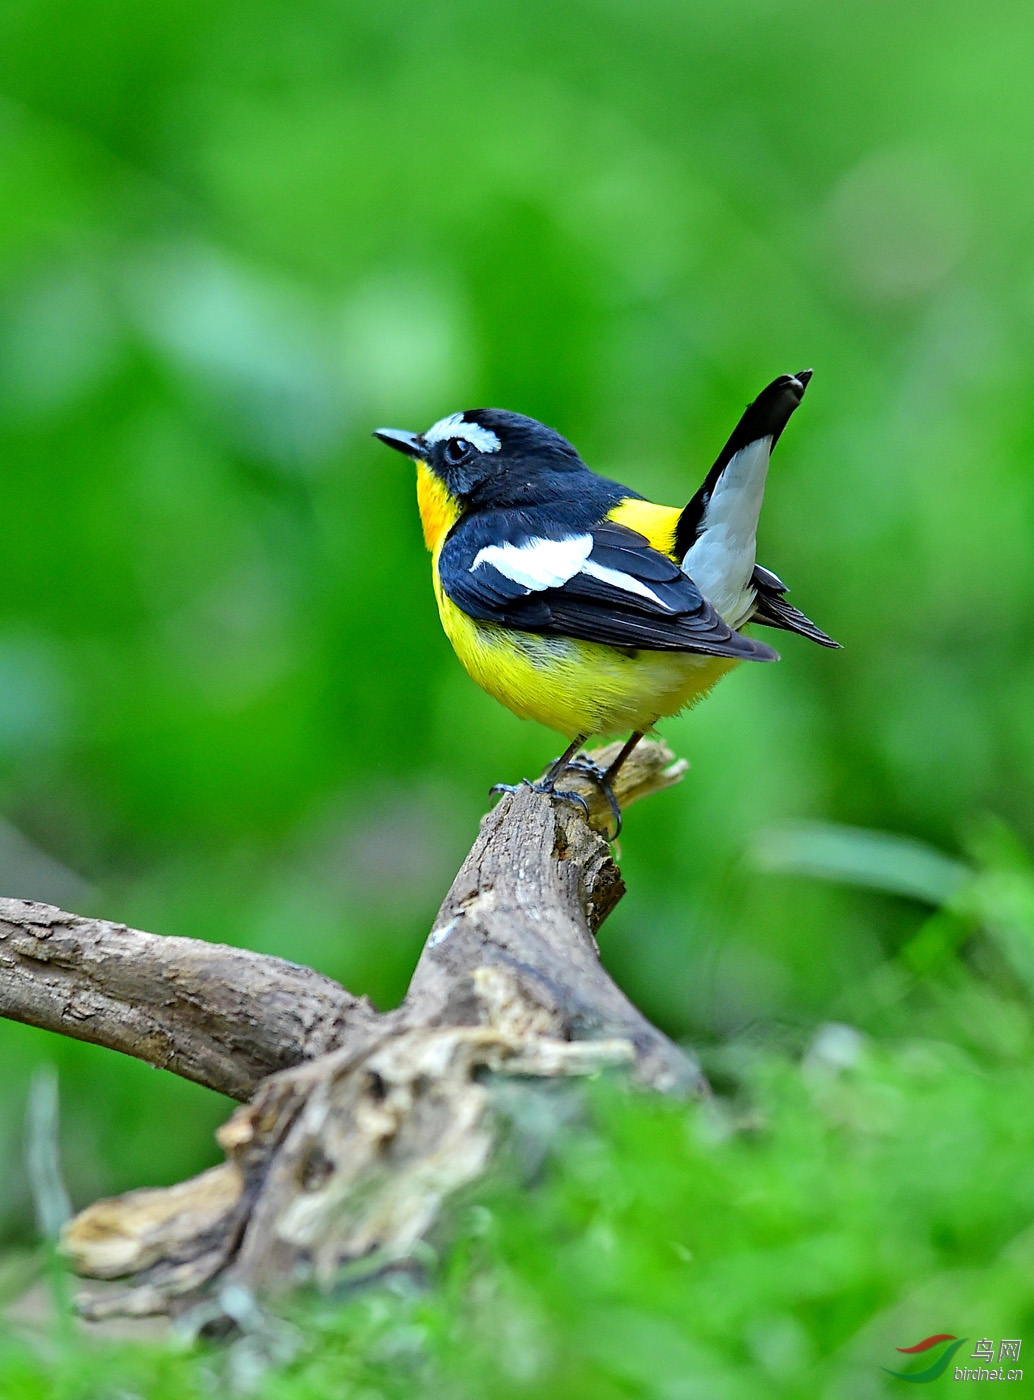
{"x":235,"y":238}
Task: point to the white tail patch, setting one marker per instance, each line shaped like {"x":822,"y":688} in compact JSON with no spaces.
{"x":721,"y":559}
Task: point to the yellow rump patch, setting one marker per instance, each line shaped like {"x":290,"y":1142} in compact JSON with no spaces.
{"x":657,"y":523}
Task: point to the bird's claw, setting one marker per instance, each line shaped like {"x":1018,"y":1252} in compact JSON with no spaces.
{"x":508,"y":787}
{"x":544,"y":789}
{"x":575,"y":797}
{"x":580,"y":764}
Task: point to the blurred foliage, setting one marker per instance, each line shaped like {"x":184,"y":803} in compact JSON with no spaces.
{"x":235,"y":238}
{"x":779,"y":1245}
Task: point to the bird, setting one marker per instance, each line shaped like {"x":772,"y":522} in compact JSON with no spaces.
{"x":578,"y":602}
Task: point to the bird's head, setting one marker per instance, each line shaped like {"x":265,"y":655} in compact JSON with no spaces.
{"x":487,"y":456}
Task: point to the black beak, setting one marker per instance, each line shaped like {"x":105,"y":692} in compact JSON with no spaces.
{"x":412,"y":444}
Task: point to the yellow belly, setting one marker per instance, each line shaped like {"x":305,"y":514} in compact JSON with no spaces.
{"x":577,"y":687}
{"x":571,"y":686}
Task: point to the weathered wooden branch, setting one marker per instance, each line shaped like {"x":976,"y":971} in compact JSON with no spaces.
{"x":359,"y":1125}
{"x":224,"y":1017}
{"x":527,"y":902}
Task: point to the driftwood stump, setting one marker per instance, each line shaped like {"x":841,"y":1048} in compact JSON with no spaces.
{"x":356,"y":1125}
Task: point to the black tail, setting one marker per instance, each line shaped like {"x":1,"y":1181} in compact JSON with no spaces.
{"x":772,"y":610}
{"x":767,"y":416}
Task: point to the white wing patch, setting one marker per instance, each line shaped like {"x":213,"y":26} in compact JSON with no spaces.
{"x":721,"y":560}
{"x":539,"y":564}
{"x":617,"y":579}
{"x":455,"y":427}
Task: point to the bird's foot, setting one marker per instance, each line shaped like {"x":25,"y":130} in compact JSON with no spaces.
{"x":509,"y":787}
{"x":582,"y":763}
{"x":545,"y":789}
{"x":575,"y":798}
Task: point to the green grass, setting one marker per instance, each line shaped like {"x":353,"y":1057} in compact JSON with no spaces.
{"x":781,"y":1241}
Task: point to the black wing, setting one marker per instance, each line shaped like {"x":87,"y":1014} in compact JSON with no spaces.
{"x":772,"y":609}
{"x":625,"y":594}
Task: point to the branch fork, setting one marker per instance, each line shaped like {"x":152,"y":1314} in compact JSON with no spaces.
{"x":356,"y":1126}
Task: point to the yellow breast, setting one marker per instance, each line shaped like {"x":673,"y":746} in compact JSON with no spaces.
{"x":438,"y":510}
{"x":571,"y":686}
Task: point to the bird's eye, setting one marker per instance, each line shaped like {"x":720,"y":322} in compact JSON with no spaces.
{"x":456,"y":450}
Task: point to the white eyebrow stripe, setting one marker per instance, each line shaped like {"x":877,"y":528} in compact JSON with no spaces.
{"x":626,"y":582}
{"x":537,"y":564}
{"x":455,"y":427}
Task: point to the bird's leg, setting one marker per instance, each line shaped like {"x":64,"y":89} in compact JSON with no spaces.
{"x":604,"y":777}
{"x":615,"y":767}
{"x":547,"y":785}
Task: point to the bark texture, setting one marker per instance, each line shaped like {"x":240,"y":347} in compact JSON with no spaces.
{"x":358,"y":1126}
{"x":221,"y":1016}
